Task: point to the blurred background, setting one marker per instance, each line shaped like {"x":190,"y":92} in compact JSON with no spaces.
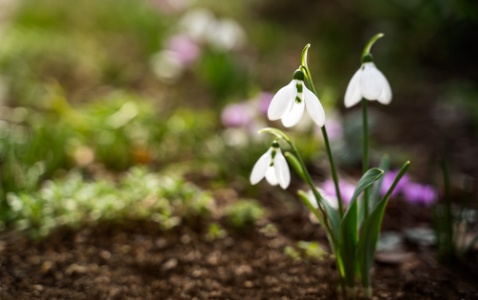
{"x":95,"y":90}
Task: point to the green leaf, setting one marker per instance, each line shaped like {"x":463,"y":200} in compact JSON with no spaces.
{"x":367,"y":179}
{"x":303,"y":58}
{"x":334,"y":218}
{"x":348,"y":230}
{"x":278,"y":133}
{"x":294,"y":162}
{"x":384,"y":162}
{"x":348,"y":242}
{"x":303,"y":196}
{"x":305,"y":199}
{"x":370,"y":43}
{"x":370,"y":232}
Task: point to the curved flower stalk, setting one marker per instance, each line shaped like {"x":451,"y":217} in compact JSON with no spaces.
{"x":368,"y":82}
{"x":273,"y":166}
{"x":290,"y":101}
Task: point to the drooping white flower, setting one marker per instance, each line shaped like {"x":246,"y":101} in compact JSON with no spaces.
{"x":369,"y":83}
{"x":290,"y":101}
{"x":273,"y":166}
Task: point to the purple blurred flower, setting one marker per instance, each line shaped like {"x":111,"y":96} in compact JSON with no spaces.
{"x":346,"y":190}
{"x":388,"y":179}
{"x":235,"y":115}
{"x":186,"y":49}
{"x":265,"y":99}
{"x":419,"y":193}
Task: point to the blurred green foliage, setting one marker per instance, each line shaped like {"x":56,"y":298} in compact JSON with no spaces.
{"x":244,"y":213}
{"x":139,"y":195}
{"x":305,"y":251}
{"x":82,"y":46}
{"x":77,"y":89}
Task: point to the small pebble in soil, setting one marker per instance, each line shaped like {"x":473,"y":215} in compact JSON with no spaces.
{"x":170,"y":264}
{"x":46,"y":266}
{"x":105,"y":254}
{"x":161,"y":243}
{"x":185,"y":239}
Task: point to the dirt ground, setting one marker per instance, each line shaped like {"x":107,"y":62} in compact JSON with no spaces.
{"x":139,"y":261}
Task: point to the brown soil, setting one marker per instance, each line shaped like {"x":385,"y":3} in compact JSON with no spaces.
{"x":138,"y":261}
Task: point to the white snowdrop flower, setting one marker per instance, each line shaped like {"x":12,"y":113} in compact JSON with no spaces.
{"x":290,"y":101}
{"x":369,"y":83}
{"x":273,"y":166}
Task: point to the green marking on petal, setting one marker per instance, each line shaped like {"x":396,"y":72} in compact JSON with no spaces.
{"x":273,"y":154}
{"x":299,"y":87}
{"x":271,"y":165}
{"x":298,"y":100}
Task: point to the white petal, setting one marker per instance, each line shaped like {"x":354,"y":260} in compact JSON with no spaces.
{"x":386,"y":95}
{"x":293,"y":116}
{"x":370,"y":82}
{"x":282,"y":101}
{"x":352,"y":94}
{"x":315,"y":109}
{"x":271,"y":176}
{"x":261,"y":166}
{"x":282,"y":170}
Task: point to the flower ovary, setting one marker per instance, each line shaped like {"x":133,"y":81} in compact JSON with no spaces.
{"x":367,"y":58}
{"x":299,"y":75}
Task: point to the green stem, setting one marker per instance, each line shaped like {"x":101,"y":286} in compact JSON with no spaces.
{"x":329,"y":150}
{"x":365,"y":160}
{"x":314,"y":190}
{"x":334,"y":172}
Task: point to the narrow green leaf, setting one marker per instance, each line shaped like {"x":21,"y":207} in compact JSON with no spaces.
{"x":384,"y":162}
{"x":348,"y":230}
{"x":370,"y":43}
{"x":294,"y":162}
{"x":334,"y":218}
{"x":303,"y":58}
{"x":367,"y":179}
{"x":278,"y":133}
{"x":348,"y":243}
{"x":305,"y":199}
{"x":370,"y":232}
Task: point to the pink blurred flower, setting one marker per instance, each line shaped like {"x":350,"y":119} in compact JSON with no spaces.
{"x":235,"y":115}
{"x":265,"y":99}
{"x":346,"y":190}
{"x":334,"y":129}
{"x":416,"y":193}
{"x":388,"y":179}
{"x":186,"y":49}
{"x":170,"y":6}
